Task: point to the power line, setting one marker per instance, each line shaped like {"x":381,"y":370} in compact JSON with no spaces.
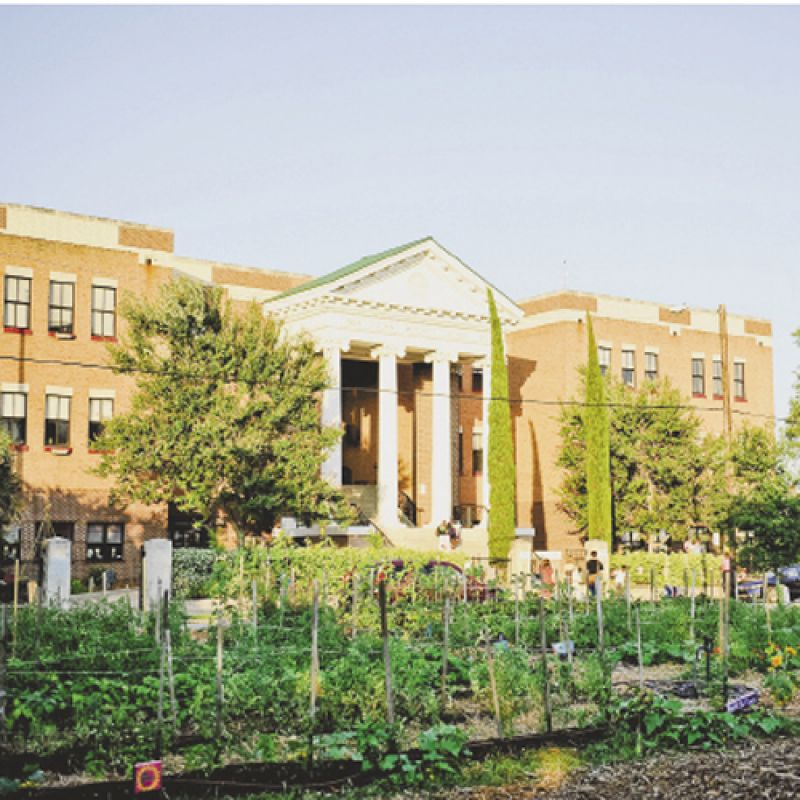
{"x":377,"y":390}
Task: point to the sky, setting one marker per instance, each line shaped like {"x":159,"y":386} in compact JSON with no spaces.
{"x":646,"y":152}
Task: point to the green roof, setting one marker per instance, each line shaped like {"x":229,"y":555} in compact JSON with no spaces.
{"x":365,"y":261}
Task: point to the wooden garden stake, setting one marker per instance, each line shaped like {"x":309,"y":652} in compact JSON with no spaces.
{"x":160,"y":717}
{"x":516,"y":615}
{"x":685,"y":582}
{"x":692,"y":607}
{"x":464,"y":588}
{"x":628,"y":596}
{"x":652,"y":586}
{"x":171,"y":680}
{"x":445,"y":646}
{"x":355,"y":604}
{"x":254,"y":590}
{"x":548,"y":713}
{"x":493,"y":684}
{"x":157,"y":626}
{"x":220,"y":686}
{"x":104,"y":580}
{"x":599,"y":598}
{"x":387,"y":654}
{"x":570,"y":609}
{"x":91,"y":584}
{"x":639,"y":656}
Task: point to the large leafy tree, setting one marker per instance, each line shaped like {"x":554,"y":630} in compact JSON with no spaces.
{"x":502,"y":469}
{"x":665,"y":474}
{"x":599,"y":523}
{"x":10,"y":484}
{"x":764,"y":502}
{"x":224,"y":419}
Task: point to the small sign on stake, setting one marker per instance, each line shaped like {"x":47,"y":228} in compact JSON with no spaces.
{"x":147,"y":776}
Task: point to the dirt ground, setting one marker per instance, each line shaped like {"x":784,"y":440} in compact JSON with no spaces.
{"x":764,"y":769}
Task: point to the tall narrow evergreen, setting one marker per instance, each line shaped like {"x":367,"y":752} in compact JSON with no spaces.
{"x":502,"y":469}
{"x":598,"y":454}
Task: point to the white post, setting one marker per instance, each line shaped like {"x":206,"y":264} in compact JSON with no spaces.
{"x":388,"y":473}
{"x":332,"y":412}
{"x":442,"y":444}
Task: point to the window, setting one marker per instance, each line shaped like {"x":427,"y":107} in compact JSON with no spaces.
{"x":459,"y":373}
{"x":100,"y":410}
{"x":56,"y":422}
{"x":62,"y":304}
{"x":698,"y":377}
{"x":604,"y":357}
{"x":716,"y":377}
{"x":104,"y":311}
{"x":186,"y":529}
{"x":104,"y":541}
{"x":651,"y":366}
{"x":10,"y":544}
{"x":477,"y":379}
{"x":460,"y":450}
{"x":17,"y":305}
{"x":64,"y":530}
{"x":738,"y":380}
{"x":629,"y":367}
{"x":477,"y":451}
{"x":14,"y":413}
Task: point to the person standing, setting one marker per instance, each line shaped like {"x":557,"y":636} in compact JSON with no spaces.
{"x":593,"y":568}
{"x":443,"y":535}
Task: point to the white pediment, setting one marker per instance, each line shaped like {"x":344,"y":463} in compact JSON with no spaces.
{"x":423,"y":278}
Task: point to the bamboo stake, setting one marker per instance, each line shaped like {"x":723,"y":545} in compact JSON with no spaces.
{"x":160,"y":713}
{"x":220,"y":687}
{"x":548,"y":713}
{"x":355,"y":605}
{"x":692,"y":607}
{"x":171,"y":681}
{"x":628,"y":596}
{"x":639,"y":655}
{"x":599,"y":598}
{"x":387,"y":655}
{"x":493,"y":684}
{"x":445,"y":647}
{"x":254,"y":621}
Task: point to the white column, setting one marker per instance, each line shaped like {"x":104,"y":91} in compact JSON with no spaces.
{"x":486,"y":365}
{"x":442,"y":444}
{"x":332,"y":411}
{"x":388,"y":473}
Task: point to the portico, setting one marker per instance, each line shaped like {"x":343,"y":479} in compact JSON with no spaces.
{"x":414,"y":315}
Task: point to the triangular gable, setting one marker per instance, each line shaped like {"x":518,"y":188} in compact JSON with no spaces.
{"x":421,"y":275}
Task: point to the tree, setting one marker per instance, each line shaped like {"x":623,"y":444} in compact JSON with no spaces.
{"x":665,"y":474}
{"x":502,"y":468}
{"x":764,"y":502}
{"x":10,"y":484}
{"x":225,"y":418}
{"x":599,"y":524}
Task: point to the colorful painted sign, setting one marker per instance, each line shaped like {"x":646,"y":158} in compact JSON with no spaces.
{"x":147,"y":777}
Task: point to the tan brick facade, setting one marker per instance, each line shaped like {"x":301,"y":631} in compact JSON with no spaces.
{"x":544,"y":352}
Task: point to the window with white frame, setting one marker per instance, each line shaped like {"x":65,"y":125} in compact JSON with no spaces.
{"x":101,"y":409}
{"x":738,"y":380}
{"x":698,"y":377}
{"x":629,"y":367}
{"x":651,"y":365}
{"x":104,"y":311}
{"x":14,"y":411}
{"x":477,"y":379}
{"x":56,"y":420}
{"x":104,"y":541}
{"x":716,"y":377}
{"x":61,"y":309}
{"x":17,"y":303}
{"x":10,"y":544}
{"x":604,"y":357}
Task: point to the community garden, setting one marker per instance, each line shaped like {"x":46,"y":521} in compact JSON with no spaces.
{"x":388,"y":661}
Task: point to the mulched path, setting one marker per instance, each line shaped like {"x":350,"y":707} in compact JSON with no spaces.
{"x":763,"y":769}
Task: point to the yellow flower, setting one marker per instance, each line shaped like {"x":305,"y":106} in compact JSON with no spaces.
{"x":776,"y":661}
{"x":791,"y":651}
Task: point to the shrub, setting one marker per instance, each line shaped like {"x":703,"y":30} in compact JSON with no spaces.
{"x":191,"y":571}
{"x":670,"y":566}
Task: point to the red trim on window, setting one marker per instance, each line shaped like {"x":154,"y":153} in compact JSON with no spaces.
{"x":104,"y":338}
{"x":23,"y":331}
{"x":740,"y":399}
{"x":20,"y":448}
{"x":58,"y":449}
{"x":718,"y":397}
{"x":695,"y":394}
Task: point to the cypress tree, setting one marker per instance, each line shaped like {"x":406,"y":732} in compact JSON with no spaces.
{"x":502,"y":469}
{"x":598,"y":451}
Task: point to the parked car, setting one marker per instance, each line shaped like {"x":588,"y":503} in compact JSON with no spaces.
{"x":753,"y":588}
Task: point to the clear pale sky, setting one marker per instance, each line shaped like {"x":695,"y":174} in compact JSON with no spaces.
{"x":644,"y":152}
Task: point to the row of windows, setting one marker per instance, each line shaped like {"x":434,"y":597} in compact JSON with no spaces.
{"x":61,"y":307}
{"x":57,"y":412}
{"x":628,"y":371}
{"x":699,"y":378}
{"x":104,"y":540}
{"x":477,"y":380}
